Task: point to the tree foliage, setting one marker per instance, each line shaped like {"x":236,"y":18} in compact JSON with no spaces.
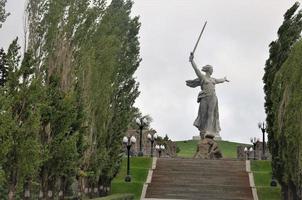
{"x":65,"y":108}
{"x":3,"y":13}
{"x":83,"y":55}
{"x":276,"y":93}
{"x":20,"y":120}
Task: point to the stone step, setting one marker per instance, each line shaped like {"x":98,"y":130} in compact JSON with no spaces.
{"x":198,"y":196}
{"x":200,"y":187}
{"x":197,"y":176}
{"x":198,"y":169}
{"x":199,"y":192}
{"x":207,"y":165}
{"x":217,"y":181}
{"x":199,"y":179}
{"x":170,"y":160}
{"x":222,"y":165}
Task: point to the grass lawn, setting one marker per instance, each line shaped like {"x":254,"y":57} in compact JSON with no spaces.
{"x":188,"y":148}
{"x":139,"y":171}
{"x":116,"y":197}
{"x":262,"y":175}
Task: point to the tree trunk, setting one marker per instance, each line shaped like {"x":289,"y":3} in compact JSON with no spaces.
{"x":44,"y":183}
{"x":12,"y":184}
{"x":284,"y":191}
{"x":11,"y":192}
{"x":289,"y":191}
{"x":26,"y":189}
{"x":63,"y":186}
{"x":51,"y":188}
{"x":293,"y":191}
{"x":103,"y":185}
{"x":81,"y":186}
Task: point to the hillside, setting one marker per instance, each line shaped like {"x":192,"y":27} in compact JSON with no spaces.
{"x":187,"y":148}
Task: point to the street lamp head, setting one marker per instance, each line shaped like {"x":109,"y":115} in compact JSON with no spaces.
{"x":145,"y":121}
{"x":149,"y":136}
{"x":259,"y":125}
{"x":157,"y":147}
{"x":251,"y":149}
{"x":133,"y":140}
{"x":162,"y":147}
{"x":251,"y":139}
{"x":125,"y":140}
{"x":155,"y":136}
{"x":245,"y":149}
{"x":138,"y":121}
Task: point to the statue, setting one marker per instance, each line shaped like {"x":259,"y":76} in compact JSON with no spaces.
{"x":207,"y":120}
{"x":207,"y":149}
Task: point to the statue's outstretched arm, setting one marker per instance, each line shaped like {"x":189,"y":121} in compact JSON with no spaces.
{"x":197,"y":72}
{"x":221,"y":80}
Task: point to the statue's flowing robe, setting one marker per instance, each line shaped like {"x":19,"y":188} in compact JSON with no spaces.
{"x":207,"y":120}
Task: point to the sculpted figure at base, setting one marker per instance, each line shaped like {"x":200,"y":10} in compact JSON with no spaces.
{"x":207,"y":120}
{"x":207,"y":148}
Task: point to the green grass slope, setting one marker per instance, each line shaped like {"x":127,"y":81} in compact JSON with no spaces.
{"x":262,"y":171}
{"x":139,"y":172}
{"x":188,"y":148}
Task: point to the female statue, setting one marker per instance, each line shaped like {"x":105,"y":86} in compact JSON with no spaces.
{"x":207,"y":120}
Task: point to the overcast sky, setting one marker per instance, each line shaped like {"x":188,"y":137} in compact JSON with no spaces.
{"x":235,"y":43}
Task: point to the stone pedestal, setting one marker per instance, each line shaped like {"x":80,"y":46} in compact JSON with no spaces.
{"x":207,"y":148}
{"x":217,"y":138}
{"x":197,"y":137}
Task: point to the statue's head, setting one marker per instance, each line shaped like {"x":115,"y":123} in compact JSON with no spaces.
{"x":207,"y":69}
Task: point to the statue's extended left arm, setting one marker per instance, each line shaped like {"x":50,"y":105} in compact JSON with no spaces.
{"x":221,"y":80}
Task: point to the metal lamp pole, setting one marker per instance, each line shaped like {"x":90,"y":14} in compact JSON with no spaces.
{"x":254,"y":141}
{"x":250,"y":152}
{"x":128,"y":141}
{"x":160,"y":148}
{"x":141,"y":122}
{"x":262,"y":126}
{"x":152,"y":138}
{"x":246,"y":153}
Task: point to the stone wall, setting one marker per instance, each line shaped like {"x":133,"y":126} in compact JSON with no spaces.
{"x":241,"y":155}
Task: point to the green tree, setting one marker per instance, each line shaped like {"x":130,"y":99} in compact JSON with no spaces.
{"x":3,"y":13}
{"x":288,"y":35}
{"x":59,"y":137}
{"x":20,"y":116}
{"x":125,"y":89}
{"x":3,"y":68}
{"x":87,"y":52}
{"x":287,"y":98}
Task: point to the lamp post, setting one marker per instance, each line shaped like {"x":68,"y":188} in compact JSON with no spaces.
{"x":128,"y":141}
{"x":152,"y":137}
{"x":262,"y":127}
{"x":254,"y":142}
{"x":160,"y":148}
{"x":246,"y":153}
{"x":273,"y":182}
{"x":250,"y":152}
{"x":141,"y":122}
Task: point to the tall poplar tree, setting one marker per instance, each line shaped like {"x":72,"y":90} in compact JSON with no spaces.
{"x":3,"y":13}
{"x":21,"y":119}
{"x":288,"y":35}
{"x":86,"y":52}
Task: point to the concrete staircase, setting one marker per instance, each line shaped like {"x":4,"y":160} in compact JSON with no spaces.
{"x":199,"y":179}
